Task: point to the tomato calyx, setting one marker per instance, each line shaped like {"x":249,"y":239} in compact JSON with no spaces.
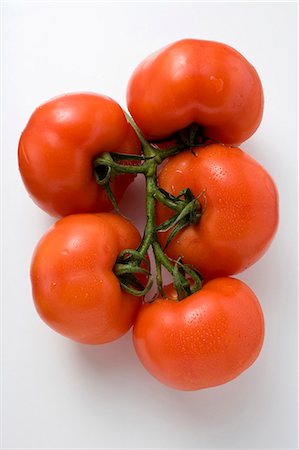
{"x":129,"y":266}
{"x":188,"y":211}
{"x":132,"y":264}
{"x":187,"y":273}
{"x":192,"y":136}
{"x":108,"y":165}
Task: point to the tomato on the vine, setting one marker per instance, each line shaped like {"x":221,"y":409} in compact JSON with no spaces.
{"x":59,"y":144}
{"x":75,"y":289}
{"x":191,"y":80}
{"x":211,"y":211}
{"x":205,"y":340}
{"x":240,"y":209}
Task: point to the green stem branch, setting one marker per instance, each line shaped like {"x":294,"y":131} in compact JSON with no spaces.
{"x":129,"y":261}
{"x":175,"y":205}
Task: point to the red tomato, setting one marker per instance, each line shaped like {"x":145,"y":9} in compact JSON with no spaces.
{"x":196,"y":81}
{"x":59,"y":144}
{"x":241,"y":209}
{"x":202,"y":341}
{"x":74,"y":287}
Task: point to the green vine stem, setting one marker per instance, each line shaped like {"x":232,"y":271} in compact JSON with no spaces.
{"x":131,"y":264}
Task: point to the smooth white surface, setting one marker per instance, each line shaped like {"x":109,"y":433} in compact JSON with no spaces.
{"x":58,"y":394}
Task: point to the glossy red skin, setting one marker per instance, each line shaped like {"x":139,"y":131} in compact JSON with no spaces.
{"x":204,"y":340}
{"x":59,"y":144}
{"x":241,"y":209}
{"x":191,"y":80}
{"x":74,"y":287}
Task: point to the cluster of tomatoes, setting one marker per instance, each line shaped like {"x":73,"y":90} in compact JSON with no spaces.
{"x":212,"y":211}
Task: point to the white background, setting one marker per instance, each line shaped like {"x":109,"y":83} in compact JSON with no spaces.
{"x":58,"y":394}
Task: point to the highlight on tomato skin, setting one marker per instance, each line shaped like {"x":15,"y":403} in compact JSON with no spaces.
{"x":240,"y":209}
{"x":57,"y":148}
{"x":192,"y":80}
{"x":74,"y":287}
{"x":202,"y":341}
